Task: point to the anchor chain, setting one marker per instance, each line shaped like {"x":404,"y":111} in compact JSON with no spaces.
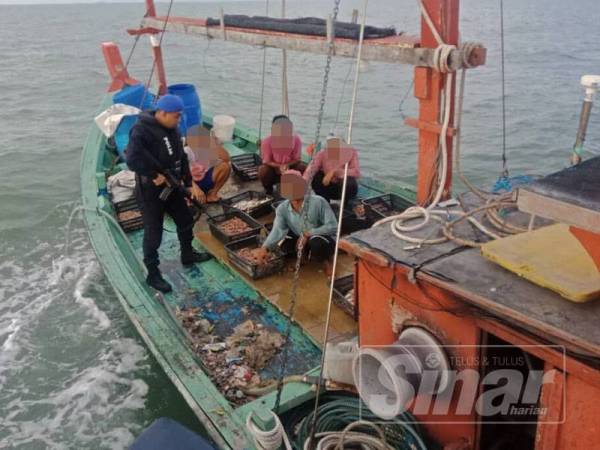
{"x":331,"y":47}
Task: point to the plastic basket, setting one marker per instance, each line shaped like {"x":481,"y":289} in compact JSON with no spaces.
{"x":245,"y":167}
{"x":253,"y":270}
{"x":129,"y":206}
{"x":385,"y":205}
{"x":215,"y":221}
{"x":341,"y":287}
{"x":258,"y":211}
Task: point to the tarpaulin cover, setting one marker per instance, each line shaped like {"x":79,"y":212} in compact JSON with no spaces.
{"x":305,"y":25}
{"x":578,"y":185}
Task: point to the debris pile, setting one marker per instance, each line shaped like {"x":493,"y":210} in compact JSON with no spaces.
{"x":234,"y":226}
{"x":233,"y":363}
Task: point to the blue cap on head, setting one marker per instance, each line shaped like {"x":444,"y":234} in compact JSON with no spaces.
{"x":170,"y":103}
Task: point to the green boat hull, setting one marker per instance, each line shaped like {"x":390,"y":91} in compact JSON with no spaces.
{"x":210,"y":285}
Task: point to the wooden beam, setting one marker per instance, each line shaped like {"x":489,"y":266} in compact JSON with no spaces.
{"x":394,"y":49}
{"x":560,"y":211}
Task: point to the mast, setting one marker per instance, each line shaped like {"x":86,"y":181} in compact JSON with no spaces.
{"x":156,"y":50}
{"x":429,"y":88}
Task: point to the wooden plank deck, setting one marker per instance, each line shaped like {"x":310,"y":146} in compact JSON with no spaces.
{"x":312,"y":296}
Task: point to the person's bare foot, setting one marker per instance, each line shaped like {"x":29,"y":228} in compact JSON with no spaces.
{"x":213,"y":197}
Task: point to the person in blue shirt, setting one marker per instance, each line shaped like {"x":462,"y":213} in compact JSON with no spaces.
{"x":301,"y":218}
{"x":154,"y":146}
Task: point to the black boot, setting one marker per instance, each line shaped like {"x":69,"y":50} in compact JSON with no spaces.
{"x":156,"y":280}
{"x":190,"y":256}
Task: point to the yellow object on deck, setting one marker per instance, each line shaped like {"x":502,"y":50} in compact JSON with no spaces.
{"x":550,"y":257}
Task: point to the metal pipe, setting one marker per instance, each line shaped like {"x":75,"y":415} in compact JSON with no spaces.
{"x":338,"y":233}
{"x":285,"y":103}
{"x":356,"y":74}
{"x":591,"y":84}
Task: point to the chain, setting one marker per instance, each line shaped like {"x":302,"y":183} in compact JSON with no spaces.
{"x":331,"y":47}
{"x":300,"y":250}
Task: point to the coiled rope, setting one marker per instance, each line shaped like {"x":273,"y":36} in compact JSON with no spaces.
{"x":345,"y":421}
{"x":270,"y":439}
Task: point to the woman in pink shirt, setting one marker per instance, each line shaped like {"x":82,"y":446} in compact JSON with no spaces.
{"x":280,"y":152}
{"x":327,"y":171}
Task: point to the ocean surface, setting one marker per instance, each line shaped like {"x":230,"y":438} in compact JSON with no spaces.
{"x":73,"y":372}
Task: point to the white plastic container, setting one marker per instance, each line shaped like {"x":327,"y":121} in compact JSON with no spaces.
{"x":339,"y":359}
{"x":223,"y":127}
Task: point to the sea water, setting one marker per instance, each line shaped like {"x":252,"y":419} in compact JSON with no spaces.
{"x":73,"y":372}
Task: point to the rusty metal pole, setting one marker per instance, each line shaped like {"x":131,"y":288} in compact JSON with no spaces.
{"x":429,"y":86}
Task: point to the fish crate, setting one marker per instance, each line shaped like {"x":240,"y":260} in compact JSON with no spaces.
{"x":245,"y":167}
{"x":382,"y":206}
{"x":343,"y":288}
{"x":262,"y":205}
{"x":251,"y":268}
{"x":214,"y":223}
{"x":129,"y":214}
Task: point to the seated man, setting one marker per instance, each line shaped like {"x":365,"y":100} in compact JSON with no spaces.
{"x":301,"y":218}
{"x":209,"y":163}
{"x":279,"y":152}
{"x":326,"y":170}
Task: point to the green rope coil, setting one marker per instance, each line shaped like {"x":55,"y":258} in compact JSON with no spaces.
{"x":338,"y":411}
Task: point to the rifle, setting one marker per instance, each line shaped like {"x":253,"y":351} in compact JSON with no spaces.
{"x":173,"y":184}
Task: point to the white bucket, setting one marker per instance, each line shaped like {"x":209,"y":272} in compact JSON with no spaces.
{"x":338,"y":361}
{"x":223,"y":127}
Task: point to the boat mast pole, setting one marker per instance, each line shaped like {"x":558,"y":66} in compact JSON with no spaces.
{"x":429,"y":86}
{"x":157,"y":52}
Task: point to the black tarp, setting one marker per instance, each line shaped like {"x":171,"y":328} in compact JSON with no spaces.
{"x":579,"y":185}
{"x":304,"y":25}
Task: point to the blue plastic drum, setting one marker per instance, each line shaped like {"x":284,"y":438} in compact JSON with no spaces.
{"x":192,"y":114}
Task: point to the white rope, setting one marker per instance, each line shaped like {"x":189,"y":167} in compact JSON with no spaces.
{"x":271,"y":439}
{"x":339,"y":440}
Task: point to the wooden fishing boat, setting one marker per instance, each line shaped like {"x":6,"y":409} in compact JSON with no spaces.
{"x":464,"y":306}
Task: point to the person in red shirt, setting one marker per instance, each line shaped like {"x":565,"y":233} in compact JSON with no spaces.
{"x":280,"y":152}
{"x":326,"y":170}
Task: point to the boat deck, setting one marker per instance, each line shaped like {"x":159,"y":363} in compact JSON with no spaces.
{"x":313,"y":287}
{"x":497,"y":292}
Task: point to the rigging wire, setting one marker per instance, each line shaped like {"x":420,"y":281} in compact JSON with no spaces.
{"x":504,"y":161}
{"x":404,"y":98}
{"x":337,"y":113}
{"x":262,"y":85}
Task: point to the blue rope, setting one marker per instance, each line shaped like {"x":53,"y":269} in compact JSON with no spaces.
{"x":508,"y":184}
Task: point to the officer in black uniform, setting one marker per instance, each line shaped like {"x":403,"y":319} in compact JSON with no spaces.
{"x":155,"y":145}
